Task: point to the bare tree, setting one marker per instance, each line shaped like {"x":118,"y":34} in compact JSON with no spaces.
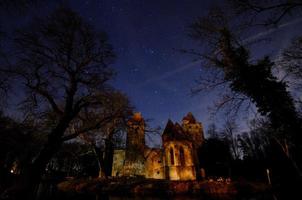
{"x":206,"y":31}
{"x":212,"y":131}
{"x":267,"y":13}
{"x":63,"y":67}
{"x":291,"y":62}
{"x":107,"y":137}
{"x":230,"y":132}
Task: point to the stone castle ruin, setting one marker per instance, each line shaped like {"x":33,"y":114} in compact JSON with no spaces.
{"x":176,"y":160}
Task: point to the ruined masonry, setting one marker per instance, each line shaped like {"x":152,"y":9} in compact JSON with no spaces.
{"x":176,"y":160}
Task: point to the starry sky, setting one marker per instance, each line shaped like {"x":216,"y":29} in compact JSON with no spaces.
{"x":146,"y":36}
{"x":151,"y":70}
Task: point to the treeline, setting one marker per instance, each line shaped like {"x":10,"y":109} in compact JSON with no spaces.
{"x":230,"y":153}
{"x":253,"y":156}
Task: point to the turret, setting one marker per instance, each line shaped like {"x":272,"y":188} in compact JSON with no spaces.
{"x":193,"y":128}
{"x":136,"y":132}
{"x":135,"y":146}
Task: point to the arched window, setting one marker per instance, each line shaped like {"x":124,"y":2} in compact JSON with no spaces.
{"x":182,"y":156}
{"x":171,"y":156}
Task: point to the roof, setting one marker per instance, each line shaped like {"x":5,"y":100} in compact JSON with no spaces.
{"x":190,"y":118}
{"x":174,"y":132}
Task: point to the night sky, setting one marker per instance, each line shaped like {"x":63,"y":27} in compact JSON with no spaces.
{"x":146,"y":35}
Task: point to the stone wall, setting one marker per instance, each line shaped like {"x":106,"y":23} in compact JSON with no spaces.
{"x":118,"y":162}
{"x":179,"y":160}
{"x":154,"y":164}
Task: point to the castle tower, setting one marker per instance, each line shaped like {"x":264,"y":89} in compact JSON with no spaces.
{"x":194,"y":130}
{"x":135,"y":146}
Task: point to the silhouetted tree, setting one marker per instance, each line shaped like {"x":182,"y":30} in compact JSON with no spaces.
{"x":254,"y":80}
{"x":105,"y":139}
{"x":262,"y":152}
{"x":63,"y":66}
{"x":255,"y":143}
{"x":215,"y":156}
{"x":230,"y":132}
{"x":212,"y":131}
{"x":291,"y":62}
{"x":19,"y":142}
{"x":9,"y":9}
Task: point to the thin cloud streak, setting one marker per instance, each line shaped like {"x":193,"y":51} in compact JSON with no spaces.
{"x":272,"y":30}
{"x":168,"y":74}
{"x":189,"y":65}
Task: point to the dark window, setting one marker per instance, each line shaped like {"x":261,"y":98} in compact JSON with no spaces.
{"x":182,"y":156}
{"x":171,"y":156}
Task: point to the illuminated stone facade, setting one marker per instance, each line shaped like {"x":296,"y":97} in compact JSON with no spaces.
{"x":176,"y":160}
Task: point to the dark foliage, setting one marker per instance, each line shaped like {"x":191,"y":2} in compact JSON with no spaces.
{"x":19,"y":143}
{"x":255,"y":81}
{"x":215,"y":157}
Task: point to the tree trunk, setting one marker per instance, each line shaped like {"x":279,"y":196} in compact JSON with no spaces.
{"x":108,"y":159}
{"x":100,"y":157}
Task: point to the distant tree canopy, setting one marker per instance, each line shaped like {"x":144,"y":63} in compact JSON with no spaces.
{"x":230,"y":153}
